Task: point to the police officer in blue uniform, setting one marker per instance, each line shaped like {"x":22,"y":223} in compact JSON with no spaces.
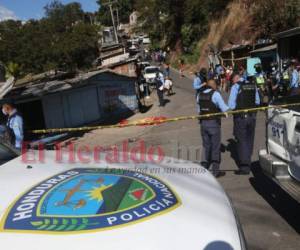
{"x":260,"y":80}
{"x":285,"y":77}
{"x":210,"y":101}
{"x":159,"y":80}
{"x":294,"y":85}
{"x":274,"y":83}
{"x":244,"y":95}
{"x":197,"y":83}
{"x":14,"y":125}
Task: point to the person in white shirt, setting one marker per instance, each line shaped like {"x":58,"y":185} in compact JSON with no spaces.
{"x":168,"y":86}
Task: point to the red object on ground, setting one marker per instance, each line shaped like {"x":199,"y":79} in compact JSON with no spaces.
{"x":149,"y":121}
{"x":123,"y":122}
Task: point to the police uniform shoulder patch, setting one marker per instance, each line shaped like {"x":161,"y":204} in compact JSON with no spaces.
{"x":83,"y":200}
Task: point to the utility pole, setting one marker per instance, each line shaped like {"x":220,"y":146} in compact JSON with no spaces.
{"x":110,"y":5}
{"x":118,"y":18}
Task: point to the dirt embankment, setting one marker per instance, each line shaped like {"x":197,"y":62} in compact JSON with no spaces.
{"x":234,"y":27}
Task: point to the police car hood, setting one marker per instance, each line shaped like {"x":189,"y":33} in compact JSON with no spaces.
{"x":149,"y":75}
{"x":176,"y":206}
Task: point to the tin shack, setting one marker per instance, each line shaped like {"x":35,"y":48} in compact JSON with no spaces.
{"x":288,"y":44}
{"x":60,"y":101}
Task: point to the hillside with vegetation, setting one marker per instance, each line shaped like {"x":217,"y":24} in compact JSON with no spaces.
{"x":189,"y":26}
{"x":67,"y":38}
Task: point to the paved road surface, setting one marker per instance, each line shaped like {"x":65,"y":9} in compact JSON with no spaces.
{"x":270,"y":218}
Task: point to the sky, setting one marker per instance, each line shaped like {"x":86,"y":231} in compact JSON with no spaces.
{"x":28,"y":9}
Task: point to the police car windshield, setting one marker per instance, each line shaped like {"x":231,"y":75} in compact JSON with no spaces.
{"x":151,"y":70}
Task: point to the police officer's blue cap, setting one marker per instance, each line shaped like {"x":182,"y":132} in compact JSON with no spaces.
{"x":7,"y":101}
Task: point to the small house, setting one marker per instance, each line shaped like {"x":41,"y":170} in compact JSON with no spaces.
{"x":267,"y":55}
{"x":288,"y":44}
{"x":236,"y":54}
{"x":61,"y":101}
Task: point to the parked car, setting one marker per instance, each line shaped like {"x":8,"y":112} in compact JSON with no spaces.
{"x":281,"y":159}
{"x":144,"y":65}
{"x":134,"y":49}
{"x":150,"y":74}
{"x":146,"y":40}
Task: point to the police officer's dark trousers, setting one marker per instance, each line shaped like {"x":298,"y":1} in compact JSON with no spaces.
{"x":197,"y":92}
{"x":294,"y":91}
{"x":244,"y":131}
{"x":160,"y":95}
{"x":211,"y":141}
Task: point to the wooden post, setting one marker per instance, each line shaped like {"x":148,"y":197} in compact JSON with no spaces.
{"x":232,"y":58}
{"x":222,"y":61}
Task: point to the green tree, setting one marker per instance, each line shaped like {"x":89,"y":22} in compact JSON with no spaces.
{"x":12,"y":69}
{"x":162,"y":20}
{"x":272,"y":16}
{"x":125,"y":7}
{"x":64,"y":39}
{"x":179,"y":23}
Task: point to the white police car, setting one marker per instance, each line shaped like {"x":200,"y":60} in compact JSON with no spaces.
{"x":70,"y":205}
{"x":150,"y":74}
{"x":281,"y":158}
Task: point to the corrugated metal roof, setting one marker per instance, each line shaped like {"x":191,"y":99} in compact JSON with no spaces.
{"x":237,"y":46}
{"x":264,"y":49}
{"x":44,"y":86}
{"x":288,"y":33}
{"x":6,"y":87}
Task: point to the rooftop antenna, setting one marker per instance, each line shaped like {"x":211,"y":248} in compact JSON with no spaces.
{"x":110,"y":4}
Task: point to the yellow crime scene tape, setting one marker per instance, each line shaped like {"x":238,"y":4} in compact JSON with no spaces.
{"x":145,"y":122}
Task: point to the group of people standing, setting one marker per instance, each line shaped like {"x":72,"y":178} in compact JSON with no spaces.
{"x":160,"y":56}
{"x":276,"y":83}
{"x":246,"y":92}
{"x":243,"y":95}
{"x":222,"y":74}
{"x":272,"y":84}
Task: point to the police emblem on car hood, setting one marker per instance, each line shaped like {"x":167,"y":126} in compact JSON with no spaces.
{"x":82,"y":200}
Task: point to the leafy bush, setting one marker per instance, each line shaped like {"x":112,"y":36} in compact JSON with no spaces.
{"x":273,"y":16}
{"x":64,"y":39}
